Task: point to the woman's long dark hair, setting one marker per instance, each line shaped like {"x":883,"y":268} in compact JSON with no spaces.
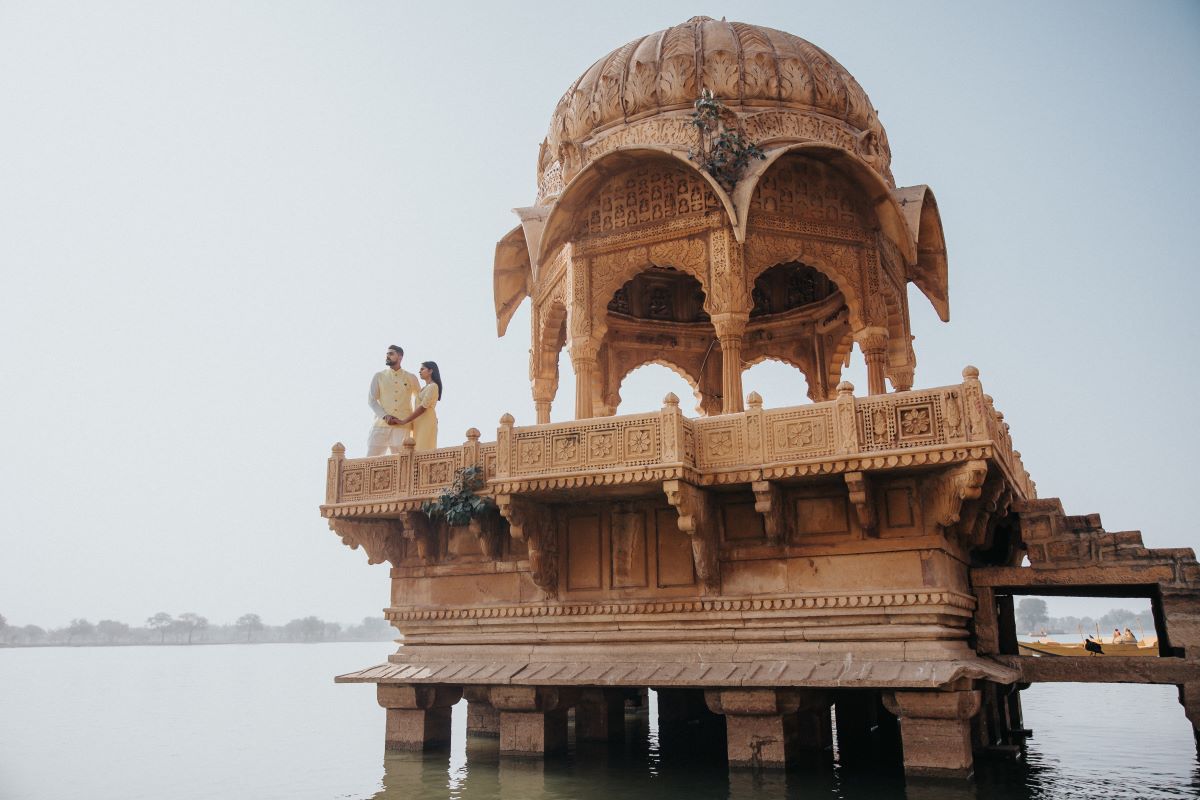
{"x":435,"y":375}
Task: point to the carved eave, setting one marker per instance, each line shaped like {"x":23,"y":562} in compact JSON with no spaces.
{"x":512,"y":276}
{"x":878,"y":194}
{"x":561,"y":222}
{"x":930,"y":272}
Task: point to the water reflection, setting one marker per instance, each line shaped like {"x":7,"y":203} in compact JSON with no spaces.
{"x":669,"y":763}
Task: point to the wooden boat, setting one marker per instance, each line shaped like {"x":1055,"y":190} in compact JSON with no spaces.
{"x":1051,"y":648}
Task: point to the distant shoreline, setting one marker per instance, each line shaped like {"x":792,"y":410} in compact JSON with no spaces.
{"x":6,"y":646}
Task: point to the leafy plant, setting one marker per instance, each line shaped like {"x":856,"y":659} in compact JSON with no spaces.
{"x":461,"y":504}
{"x":723,"y":149}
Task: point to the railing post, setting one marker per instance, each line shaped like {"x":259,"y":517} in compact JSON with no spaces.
{"x":672,"y":429}
{"x":754,"y":429}
{"x":333,"y":480}
{"x":504,"y":446}
{"x":845,"y":419}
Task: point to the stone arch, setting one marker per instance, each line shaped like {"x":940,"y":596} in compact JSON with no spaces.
{"x":691,"y":380}
{"x":562,"y":222}
{"x":875,"y":191}
{"x":610,"y":271}
{"x":778,"y":358}
{"x":840,"y":262}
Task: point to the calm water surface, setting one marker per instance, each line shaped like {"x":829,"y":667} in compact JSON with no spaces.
{"x":266,"y":721}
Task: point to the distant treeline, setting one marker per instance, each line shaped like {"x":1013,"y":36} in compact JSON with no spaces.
{"x":1032,"y":617}
{"x":191,"y":628}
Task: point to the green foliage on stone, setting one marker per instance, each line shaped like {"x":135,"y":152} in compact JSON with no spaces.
{"x":723,"y":149}
{"x":460,"y":504}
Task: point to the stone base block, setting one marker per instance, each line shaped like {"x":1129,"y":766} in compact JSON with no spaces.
{"x":417,"y":729}
{"x":533,"y":733}
{"x":762,"y":741}
{"x":482,"y":720}
{"x":600,"y":715}
{"x":935,"y":729}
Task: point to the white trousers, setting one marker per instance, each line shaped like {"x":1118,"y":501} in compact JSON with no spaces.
{"x":384,"y":439}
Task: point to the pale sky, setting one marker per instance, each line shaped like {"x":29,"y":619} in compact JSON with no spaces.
{"x":215,"y":216}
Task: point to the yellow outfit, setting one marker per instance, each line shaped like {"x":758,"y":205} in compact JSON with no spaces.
{"x":391,"y":393}
{"x":425,"y":426}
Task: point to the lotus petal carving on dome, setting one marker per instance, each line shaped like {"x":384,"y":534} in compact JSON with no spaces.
{"x":658,"y":77}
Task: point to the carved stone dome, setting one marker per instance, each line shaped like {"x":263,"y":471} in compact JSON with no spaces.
{"x":783,"y":89}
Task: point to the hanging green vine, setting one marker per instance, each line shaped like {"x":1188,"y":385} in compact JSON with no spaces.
{"x":461,"y":504}
{"x":722,"y":148}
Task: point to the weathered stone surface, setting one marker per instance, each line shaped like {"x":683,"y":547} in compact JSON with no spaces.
{"x":936,"y":731}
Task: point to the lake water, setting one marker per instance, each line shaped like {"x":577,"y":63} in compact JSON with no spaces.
{"x":267,"y":721}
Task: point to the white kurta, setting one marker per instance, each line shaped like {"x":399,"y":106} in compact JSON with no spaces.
{"x":391,"y":393}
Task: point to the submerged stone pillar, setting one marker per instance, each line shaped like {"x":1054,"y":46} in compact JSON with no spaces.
{"x":533,"y":719}
{"x":763,"y":725}
{"x":482,"y":718}
{"x":935,"y":731}
{"x":600,"y":715}
{"x":418,"y":717}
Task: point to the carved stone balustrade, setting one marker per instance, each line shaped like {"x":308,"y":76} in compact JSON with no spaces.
{"x":634,"y":454}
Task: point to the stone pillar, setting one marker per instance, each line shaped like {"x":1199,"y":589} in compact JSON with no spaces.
{"x":902,"y":378}
{"x":1189,"y":698}
{"x":544,"y":390}
{"x":533,"y":719}
{"x":763,"y":726}
{"x":935,"y":729}
{"x":600,"y":715}
{"x":583,"y":359}
{"x":418,"y":717}
{"x":482,"y":719}
{"x":729,"y":327}
{"x":873,"y":343}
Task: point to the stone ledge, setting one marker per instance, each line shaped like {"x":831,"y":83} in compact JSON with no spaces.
{"x":845,"y":673}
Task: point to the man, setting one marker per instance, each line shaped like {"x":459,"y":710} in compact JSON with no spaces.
{"x":391,"y":398}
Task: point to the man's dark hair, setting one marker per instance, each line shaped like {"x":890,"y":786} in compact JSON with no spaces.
{"x":399,"y":350}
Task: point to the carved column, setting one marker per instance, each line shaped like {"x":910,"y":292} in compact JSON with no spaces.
{"x":533,"y":719}
{"x":935,"y":728}
{"x":544,"y":390}
{"x":418,"y":717}
{"x":583,"y":359}
{"x":873,"y":343}
{"x":730,"y":326}
{"x":764,"y":728}
{"x":600,"y":715}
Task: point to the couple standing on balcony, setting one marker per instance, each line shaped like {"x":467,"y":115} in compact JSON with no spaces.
{"x":396,"y":416}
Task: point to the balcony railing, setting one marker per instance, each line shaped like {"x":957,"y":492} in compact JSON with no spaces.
{"x":949,"y":423}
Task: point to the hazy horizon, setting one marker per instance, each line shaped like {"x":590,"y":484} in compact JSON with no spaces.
{"x":214,"y":217}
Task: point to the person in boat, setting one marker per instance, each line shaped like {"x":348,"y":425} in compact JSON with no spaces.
{"x":1116,"y":635}
{"x":1128,"y":637}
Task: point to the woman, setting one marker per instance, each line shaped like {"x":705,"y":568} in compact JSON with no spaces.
{"x":424,"y":416}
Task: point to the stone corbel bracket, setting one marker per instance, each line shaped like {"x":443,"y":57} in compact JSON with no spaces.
{"x":948,"y":494}
{"x":699,"y":522}
{"x":420,"y":530}
{"x":768,"y":501}
{"x":860,"y":498}
{"x":533,"y":523}
{"x":487,"y":530}
{"x":380,"y":539}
